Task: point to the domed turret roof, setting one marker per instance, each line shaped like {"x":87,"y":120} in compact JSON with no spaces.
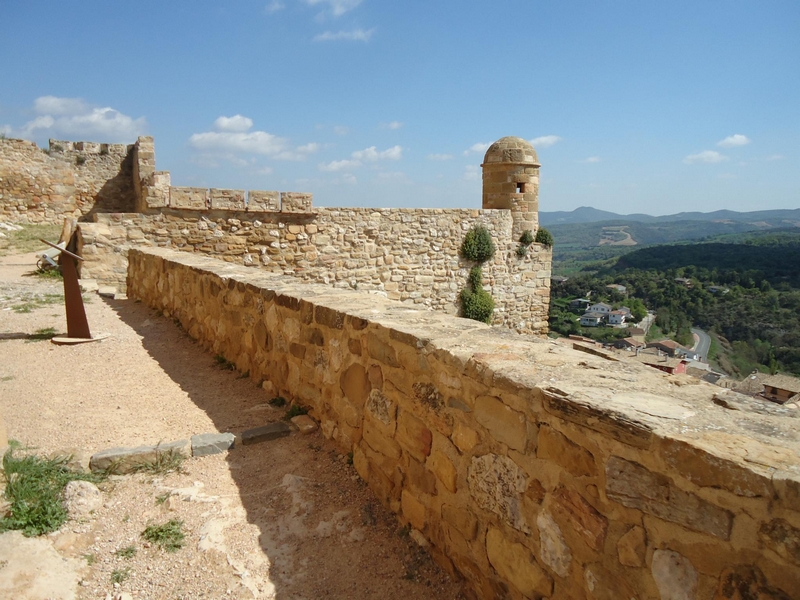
{"x":512,"y":150}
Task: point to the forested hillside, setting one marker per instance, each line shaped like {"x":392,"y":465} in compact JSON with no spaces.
{"x":746,"y":292}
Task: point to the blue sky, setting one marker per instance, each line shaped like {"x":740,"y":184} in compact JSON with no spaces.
{"x":649,"y":107}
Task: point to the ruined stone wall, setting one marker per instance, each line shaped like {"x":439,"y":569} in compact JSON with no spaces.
{"x":69,"y":179}
{"x":533,"y":470}
{"x":404,"y":254}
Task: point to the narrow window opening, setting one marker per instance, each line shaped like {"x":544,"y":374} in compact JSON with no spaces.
{"x":520,"y":188}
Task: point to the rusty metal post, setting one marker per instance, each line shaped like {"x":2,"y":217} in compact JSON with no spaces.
{"x":77,"y":325}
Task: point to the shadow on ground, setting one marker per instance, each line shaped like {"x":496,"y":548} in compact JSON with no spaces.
{"x":323,"y":531}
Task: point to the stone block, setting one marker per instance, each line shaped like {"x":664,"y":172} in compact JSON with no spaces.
{"x":514,"y":563}
{"x":706,"y":470}
{"x":189,"y":198}
{"x":266,"y":433}
{"x":465,"y":438}
{"x":574,"y":458}
{"x":261,"y":201}
{"x":413,"y":510}
{"x":221,"y":199}
{"x":296,"y":202}
{"x":674,"y":575}
{"x":572,"y":509}
{"x":444,"y":470}
{"x":355,"y":385}
{"x":555,"y":552}
{"x":125,"y":460}
{"x":743,"y":582}
{"x":206,"y":444}
{"x":782,"y":538}
{"x":634,"y":486}
{"x":305,"y":424}
{"x":462,"y":519}
{"x":632,"y":546}
{"x":504,"y":423}
{"x":497,"y":483}
{"x":413,"y":436}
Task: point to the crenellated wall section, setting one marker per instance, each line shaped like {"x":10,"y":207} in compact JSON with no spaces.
{"x":532,"y":470}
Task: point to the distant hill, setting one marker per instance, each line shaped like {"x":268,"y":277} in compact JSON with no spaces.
{"x":587,"y":214}
{"x":772,"y":255}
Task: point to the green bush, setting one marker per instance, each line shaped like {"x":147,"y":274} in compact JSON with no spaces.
{"x":476,"y":303}
{"x":526,"y":239}
{"x":544,"y":237}
{"x":478,"y":245}
{"x":522,"y":250}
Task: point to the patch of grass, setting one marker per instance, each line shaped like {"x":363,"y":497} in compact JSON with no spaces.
{"x":34,"y":487}
{"x":6,"y":378}
{"x":168,"y":536}
{"x":49,"y":274}
{"x":48,"y":333}
{"x":404,"y":531}
{"x":30,"y":302}
{"x":349,"y":458}
{"x":278,"y":401}
{"x":27,"y":238}
{"x":166,"y":462}
{"x":295,"y":411}
{"x":161,"y":498}
{"x":120,"y":575}
{"x":126,"y":552}
{"x":90,"y":559}
{"x":223,"y":363}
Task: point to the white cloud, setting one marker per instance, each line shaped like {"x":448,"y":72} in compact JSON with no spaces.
{"x":591,"y":159}
{"x":732,"y":141}
{"x":359,"y":157}
{"x":545,"y":141}
{"x":336,"y":7}
{"x":773,"y":157}
{"x":707,"y":156}
{"x":341,"y":130}
{"x":395,"y":125}
{"x":236,"y":123}
{"x":478,"y":148}
{"x":371,"y":154}
{"x":440,"y":156}
{"x":339,"y":165}
{"x":256,"y":142}
{"x":274,"y":6}
{"x":356,"y":35}
{"x":233,"y":137}
{"x":74,"y":118}
{"x":397,"y":176}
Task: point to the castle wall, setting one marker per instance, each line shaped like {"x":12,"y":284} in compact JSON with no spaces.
{"x":531,"y":469}
{"x":69,"y":179}
{"x":409,"y":255}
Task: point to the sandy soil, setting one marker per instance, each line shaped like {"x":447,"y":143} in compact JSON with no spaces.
{"x":284,"y":519}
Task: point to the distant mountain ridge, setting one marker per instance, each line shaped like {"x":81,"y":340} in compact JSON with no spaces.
{"x":587,"y":214}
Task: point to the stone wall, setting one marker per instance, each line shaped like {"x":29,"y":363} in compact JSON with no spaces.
{"x":404,"y":254}
{"x":70,"y":179}
{"x":532,"y":469}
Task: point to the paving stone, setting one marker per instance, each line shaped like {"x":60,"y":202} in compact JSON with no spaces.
{"x":205,"y":444}
{"x":125,"y":460}
{"x":266,"y":433}
{"x":305,"y":424}
{"x":107,"y":291}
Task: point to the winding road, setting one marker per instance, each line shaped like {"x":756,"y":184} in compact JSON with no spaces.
{"x":702,"y":343}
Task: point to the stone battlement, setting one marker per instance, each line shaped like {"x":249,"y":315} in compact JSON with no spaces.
{"x":533,"y":470}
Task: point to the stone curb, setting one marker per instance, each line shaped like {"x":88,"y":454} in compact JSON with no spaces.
{"x":123,"y":460}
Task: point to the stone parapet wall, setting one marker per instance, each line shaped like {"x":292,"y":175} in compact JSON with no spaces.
{"x":409,"y":255}
{"x":69,"y":179}
{"x":532,"y":469}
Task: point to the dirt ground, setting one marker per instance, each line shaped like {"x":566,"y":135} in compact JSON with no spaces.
{"x":284,"y":519}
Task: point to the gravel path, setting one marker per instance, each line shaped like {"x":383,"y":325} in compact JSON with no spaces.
{"x":285,"y":519}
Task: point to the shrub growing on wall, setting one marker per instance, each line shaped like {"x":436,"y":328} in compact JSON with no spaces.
{"x":478,"y":245}
{"x":544,"y":237}
{"x":476,"y":303}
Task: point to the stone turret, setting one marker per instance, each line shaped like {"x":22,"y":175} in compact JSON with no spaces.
{"x":511,"y":181}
